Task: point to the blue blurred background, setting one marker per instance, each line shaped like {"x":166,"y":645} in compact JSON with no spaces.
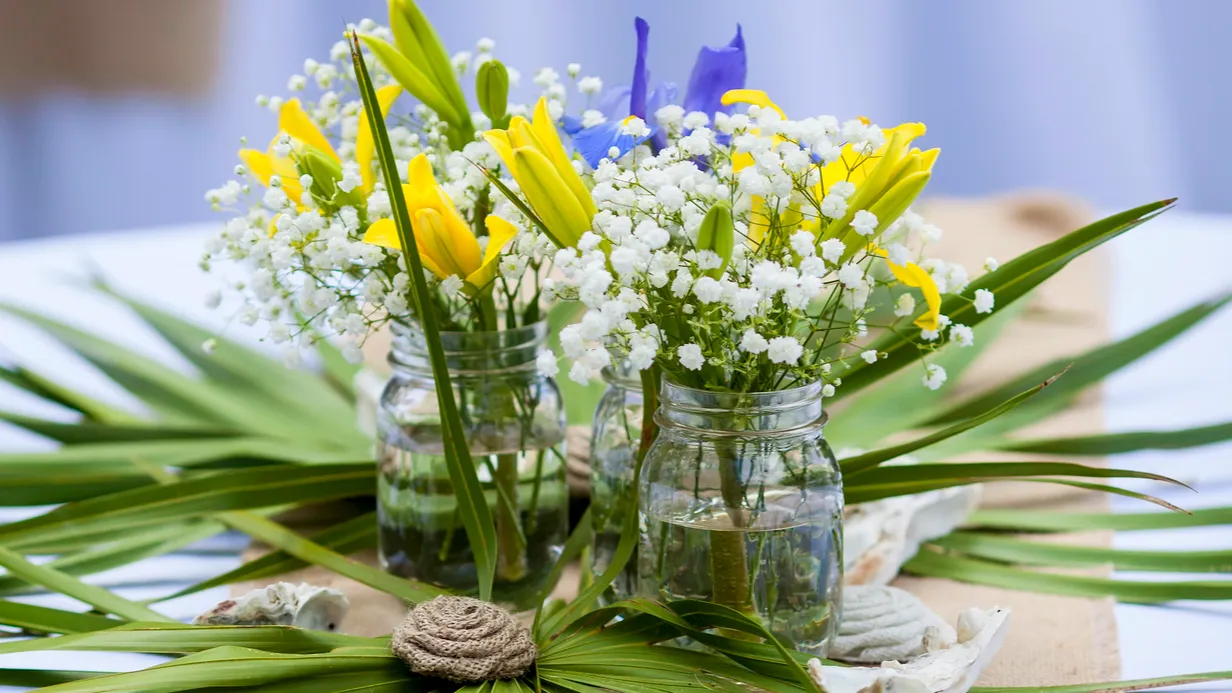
{"x":1112,"y":100}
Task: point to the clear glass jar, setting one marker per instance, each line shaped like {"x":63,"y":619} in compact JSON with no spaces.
{"x":742,"y":504}
{"x":515,"y":429}
{"x":614,"y":442}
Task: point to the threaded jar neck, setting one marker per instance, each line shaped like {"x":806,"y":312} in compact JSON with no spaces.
{"x":740,"y":413}
{"x":468,"y":353}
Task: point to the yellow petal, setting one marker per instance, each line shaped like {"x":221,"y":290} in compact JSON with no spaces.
{"x":364,"y":147}
{"x":549,"y":142}
{"x":499,"y":139}
{"x":273,"y":225}
{"x":295,"y":122}
{"x":755,"y":97}
{"x":258,"y":164}
{"x":463,"y":246}
{"x":430,"y":239}
{"x":741,"y":161}
{"x":384,"y":233}
{"x":929,"y":320}
{"x":499,"y":233}
{"x":550,"y":197}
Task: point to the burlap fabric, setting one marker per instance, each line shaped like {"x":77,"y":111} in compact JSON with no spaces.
{"x":1052,"y":640}
{"x":463,"y":639}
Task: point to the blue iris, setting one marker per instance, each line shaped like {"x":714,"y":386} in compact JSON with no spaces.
{"x":716,"y":71}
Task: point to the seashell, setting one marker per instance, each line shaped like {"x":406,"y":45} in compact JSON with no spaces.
{"x":954,"y":669}
{"x":281,"y":604}
{"x":887,"y":623}
{"x":879,"y":537}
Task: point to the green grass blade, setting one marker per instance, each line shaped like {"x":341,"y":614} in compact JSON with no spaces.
{"x":865,"y":462}
{"x":1112,"y":686}
{"x":1091,"y":367}
{"x":50,"y":390}
{"x":38,"y":678}
{"x":63,"y":486}
{"x":154,"y":505}
{"x":68,"y":585}
{"x":1050,"y":521}
{"x":1009,"y":282}
{"x":578,"y":607}
{"x":1024,"y":552}
{"x":308,"y":551}
{"x":90,"y":432}
{"x":141,"y":545}
{"x":343,"y":538}
{"x":473,"y":509}
{"x":177,"y":638}
{"x":41,"y":619}
{"x":1119,"y":443}
{"x":934,"y":563}
{"x":179,"y":453}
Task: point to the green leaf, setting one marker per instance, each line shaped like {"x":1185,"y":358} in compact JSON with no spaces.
{"x":1113,"y":686}
{"x":1119,"y":443}
{"x":1089,"y":368}
{"x":38,"y":678}
{"x":424,"y":47}
{"x":1050,"y":521}
{"x":853,"y":466}
{"x":154,"y":505}
{"x":238,"y":367}
{"x":900,"y":402}
{"x":1008,"y":283}
{"x":97,"y":457}
{"x":177,"y":638}
{"x":578,"y":541}
{"x":343,"y":538}
{"x":145,"y":544}
{"x":1020,"y":551}
{"x":57,"y":581}
{"x":308,"y":551}
{"x":90,"y":408}
{"x":41,"y":619}
{"x":933,"y":563}
{"x":473,"y":509}
{"x":86,"y":431}
{"x":578,"y":607}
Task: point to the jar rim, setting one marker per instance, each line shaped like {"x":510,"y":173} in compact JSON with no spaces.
{"x":776,"y":412}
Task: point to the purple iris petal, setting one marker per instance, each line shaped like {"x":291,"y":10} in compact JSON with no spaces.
{"x":594,"y":143}
{"x":716,"y":71}
{"x":615,"y":102}
{"x":641,"y":75}
{"x":570,"y":124}
{"x":662,"y":95}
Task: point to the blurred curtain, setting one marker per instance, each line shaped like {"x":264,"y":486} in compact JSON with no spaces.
{"x":1109,"y":99}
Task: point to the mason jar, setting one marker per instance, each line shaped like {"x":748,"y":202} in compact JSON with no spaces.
{"x":515,"y":430}
{"x":742,"y":504}
{"x":614,"y":442}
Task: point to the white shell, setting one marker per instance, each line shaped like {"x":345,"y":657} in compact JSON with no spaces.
{"x":883,"y":623}
{"x":281,"y":604}
{"x":879,"y":537}
{"x":954,"y":669}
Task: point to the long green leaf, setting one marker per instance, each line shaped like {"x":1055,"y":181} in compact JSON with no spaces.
{"x":153,"y":505}
{"x":411,"y":78}
{"x":144,"y":544}
{"x":472,"y":507}
{"x":1008,"y":283}
{"x":308,"y":551}
{"x":68,"y":585}
{"x":867,"y":461}
{"x":424,"y":43}
{"x":578,"y":607}
{"x":933,"y":563}
{"x":71,"y":433}
{"x":50,"y":390}
{"x":1023,"y":552}
{"x":344,"y":538}
{"x":1112,"y":686}
{"x":38,"y":678}
{"x":179,"y":453}
{"x":42,"y":619}
{"x":1051,"y":521}
{"x":177,"y":638}
{"x":1091,"y":367}
{"x":1119,"y":443}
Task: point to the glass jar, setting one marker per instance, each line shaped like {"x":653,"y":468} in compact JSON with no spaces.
{"x":742,"y":504}
{"x":614,"y":442}
{"x":515,"y":430}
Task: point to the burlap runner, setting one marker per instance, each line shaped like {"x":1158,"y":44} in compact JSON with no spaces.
{"x":1052,"y":640}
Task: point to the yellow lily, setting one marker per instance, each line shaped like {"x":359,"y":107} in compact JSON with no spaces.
{"x":446,"y":245}
{"x":759,"y":218}
{"x":914,"y":276}
{"x":294,"y":122}
{"x":533,"y":154}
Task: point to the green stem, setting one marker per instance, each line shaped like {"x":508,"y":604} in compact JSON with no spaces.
{"x":729,"y":565}
{"x":510,"y":557}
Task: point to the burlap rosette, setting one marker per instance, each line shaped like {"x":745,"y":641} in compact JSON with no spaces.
{"x":464,"y":640}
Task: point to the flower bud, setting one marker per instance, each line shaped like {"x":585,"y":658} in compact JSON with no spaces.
{"x":718,"y":233}
{"x":492,"y":89}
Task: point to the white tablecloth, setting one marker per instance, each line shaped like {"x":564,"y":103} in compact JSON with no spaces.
{"x":1157,"y":270}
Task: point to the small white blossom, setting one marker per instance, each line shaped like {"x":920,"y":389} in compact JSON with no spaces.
{"x":451,"y":285}
{"x":984,"y":301}
{"x":690,"y":356}
{"x":803,"y":243}
{"x":831,"y":250}
{"x":547,"y":365}
{"x":590,"y":85}
{"x":753,"y":343}
{"x":864,"y":222}
{"x":991,"y":264}
{"x":962,"y":335}
{"x":707,"y":290}
{"x":869,"y":356}
{"x":827,"y":390}
{"x":904,"y":306}
{"x":851,"y":275}
{"x":785,"y":350}
{"x":934,"y":376}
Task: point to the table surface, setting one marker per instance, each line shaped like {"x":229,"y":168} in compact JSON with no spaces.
{"x":1159,"y":269}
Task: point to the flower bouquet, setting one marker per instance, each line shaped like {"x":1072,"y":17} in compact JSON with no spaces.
{"x":745,"y":269}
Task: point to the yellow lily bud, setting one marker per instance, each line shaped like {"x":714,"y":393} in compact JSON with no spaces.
{"x":536,"y":158}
